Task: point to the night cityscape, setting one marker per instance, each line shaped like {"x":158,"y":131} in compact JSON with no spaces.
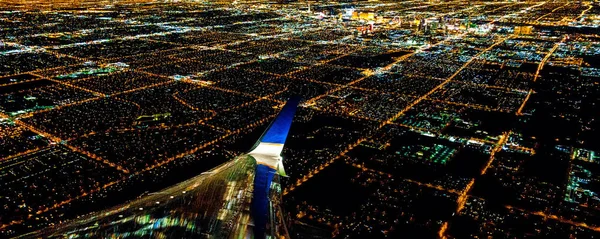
{"x":299,"y":119}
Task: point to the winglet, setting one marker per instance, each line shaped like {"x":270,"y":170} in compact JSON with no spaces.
{"x":279,"y":128}
{"x":267,"y":151}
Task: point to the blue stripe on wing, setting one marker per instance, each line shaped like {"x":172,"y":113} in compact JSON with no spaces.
{"x":260,"y":200}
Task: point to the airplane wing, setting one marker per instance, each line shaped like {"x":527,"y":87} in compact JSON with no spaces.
{"x":232,"y":200}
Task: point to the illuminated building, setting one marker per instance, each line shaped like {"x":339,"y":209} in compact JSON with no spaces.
{"x":523,"y":30}
{"x":363,"y":16}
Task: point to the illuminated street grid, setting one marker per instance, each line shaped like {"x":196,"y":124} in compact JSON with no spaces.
{"x":479,"y":123}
